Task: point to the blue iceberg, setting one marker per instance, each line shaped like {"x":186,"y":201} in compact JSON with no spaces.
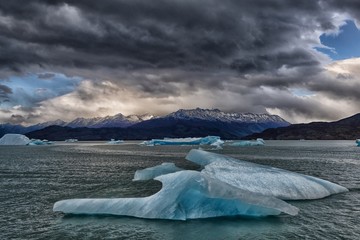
{"x":225,"y":187}
{"x":258,"y":142}
{"x":263,"y":179}
{"x":209,"y":140}
{"x":153,"y":172}
{"x":113,"y":141}
{"x":184,"y":195}
{"x":39,"y":142}
{"x":357,"y":141}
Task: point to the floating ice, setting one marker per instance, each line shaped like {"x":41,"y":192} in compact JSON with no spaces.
{"x":184,"y":195}
{"x":113,"y":141}
{"x":71,"y":140}
{"x":14,"y":139}
{"x":152,"y":172}
{"x":263,"y":179}
{"x":258,"y":142}
{"x":39,"y":142}
{"x":209,"y":140}
{"x":225,"y":187}
{"x":358,"y":142}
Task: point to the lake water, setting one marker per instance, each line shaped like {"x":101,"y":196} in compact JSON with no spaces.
{"x":33,"y":178}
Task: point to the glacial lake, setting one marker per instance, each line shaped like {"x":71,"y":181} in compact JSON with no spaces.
{"x":33,"y":178}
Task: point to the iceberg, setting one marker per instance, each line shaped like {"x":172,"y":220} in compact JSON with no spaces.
{"x":152,"y":172}
{"x":14,"y":139}
{"x":184,"y":195}
{"x":263,"y":179}
{"x":184,"y":141}
{"x":71,"y":140}
{"x":357,"y":141}
{"x":113,"y":141}
{"x":258,"y":142}
{"x":225,"y":187}
{"x":39,"y":142}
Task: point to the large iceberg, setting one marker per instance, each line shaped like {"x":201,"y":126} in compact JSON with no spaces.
{"x":357,"y":141}
{"x":209,"y":140}
{"x":258,"y":142}
{"x":14,"y":139}
{"x":263,"y":179}
{"x":225,"y":187}
{"x":184,"y":195}
{"x":153,"y":172}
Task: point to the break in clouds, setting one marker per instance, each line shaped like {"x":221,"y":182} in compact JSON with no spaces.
{"x":64,"y":59}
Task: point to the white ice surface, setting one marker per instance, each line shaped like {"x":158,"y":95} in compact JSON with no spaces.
{"x":14,"y":139}
{"x":153,"y":172}
{"x":263,"y":179}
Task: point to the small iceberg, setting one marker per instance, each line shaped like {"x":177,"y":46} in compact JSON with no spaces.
{"x":39,"y":142}
{"x":257,"y":142}
{"x":14,"y":139}
{"x":71,"y":140}
{"x":209,"y":140}
{"x":153,"y":172}
{"x":357,"y":141}
{"x":225,"y":187}
{"x":113,"y":141}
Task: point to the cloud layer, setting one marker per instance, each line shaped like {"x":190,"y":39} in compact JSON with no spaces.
{"x":157,"y":56}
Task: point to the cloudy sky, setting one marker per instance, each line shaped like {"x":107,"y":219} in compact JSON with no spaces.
{"x":65,"y":59}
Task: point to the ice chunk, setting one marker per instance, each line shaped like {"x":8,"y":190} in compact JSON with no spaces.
{"x":152,"y":172}
{"x":71,"y":140}
{"x":113,"y":141}
{"x":14,"y":139}
{"x":184,"y":141}
{"x":184,"y":195}
{"x":258,"y":142}
{"x":39,"y":142}
{"x":263,"y":179}
{"x":358,"y":142}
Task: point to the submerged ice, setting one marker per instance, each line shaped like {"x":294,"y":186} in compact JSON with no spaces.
{"x":209,"y":140}
{"x":225,"y":187}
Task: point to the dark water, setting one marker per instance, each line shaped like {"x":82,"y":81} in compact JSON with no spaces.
{"x":33,"y":178}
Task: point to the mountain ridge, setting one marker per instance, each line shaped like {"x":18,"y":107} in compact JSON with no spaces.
{"x":182,"y":123}
{"x":343,"y":129}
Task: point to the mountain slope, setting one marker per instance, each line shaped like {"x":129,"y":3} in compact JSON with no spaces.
{"x":344,"y":129}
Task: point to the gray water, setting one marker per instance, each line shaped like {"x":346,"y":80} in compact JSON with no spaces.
{"x":33,"y":178}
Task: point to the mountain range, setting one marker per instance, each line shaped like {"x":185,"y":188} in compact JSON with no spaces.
{"x":344,"y":129}
{"x":182,"y":123}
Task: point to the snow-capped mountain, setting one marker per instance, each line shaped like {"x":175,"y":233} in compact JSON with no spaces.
{"x":182,"y":123}
{"x":217,"y":115}
{"x":118,"y":120}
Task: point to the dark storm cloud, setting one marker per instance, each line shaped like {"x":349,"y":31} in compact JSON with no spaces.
{"x":169,"y":48}
{"x":154,"y":34}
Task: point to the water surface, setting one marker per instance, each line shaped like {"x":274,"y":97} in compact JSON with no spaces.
{"x":33,"y":178}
